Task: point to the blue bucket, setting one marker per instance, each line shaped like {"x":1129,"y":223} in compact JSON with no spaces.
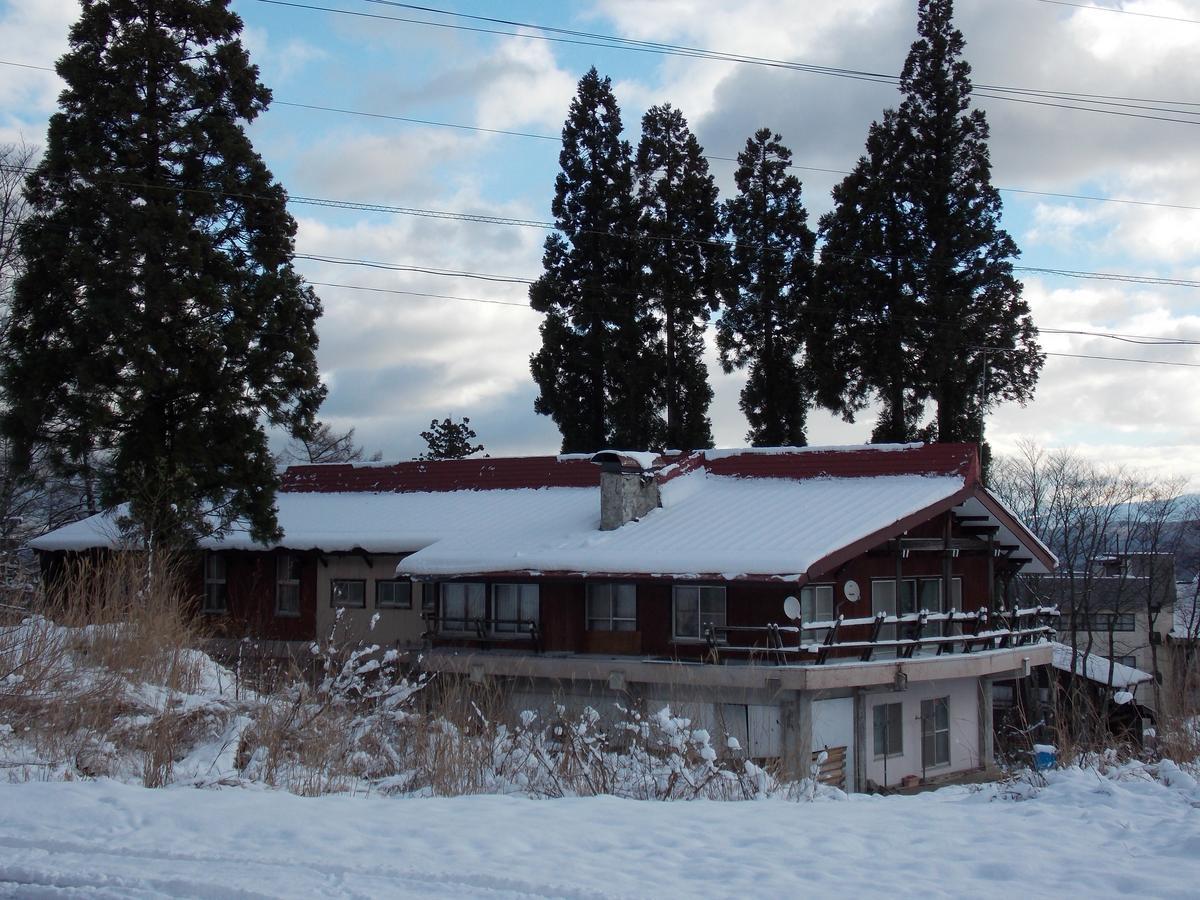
{"x":1044,"y":757}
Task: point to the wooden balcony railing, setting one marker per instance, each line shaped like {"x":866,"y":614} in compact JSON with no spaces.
{"x":491,"y":630}
{"x":785,"y":644}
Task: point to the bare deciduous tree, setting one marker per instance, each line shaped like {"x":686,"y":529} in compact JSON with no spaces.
{"x":1114,"y":530}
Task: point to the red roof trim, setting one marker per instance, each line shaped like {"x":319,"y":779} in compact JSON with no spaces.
{"x":508,"y":473}
{"x":929,"y":459}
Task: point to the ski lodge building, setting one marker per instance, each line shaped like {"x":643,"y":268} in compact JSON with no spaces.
{"x":846,"y":607}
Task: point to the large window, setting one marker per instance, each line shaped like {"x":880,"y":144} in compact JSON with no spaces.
{"x":394,"y":594}
{"x":611,"y":607}
{"x":287,"y":584}
{"x":816,"y":605}
{"x":889,"y":730}
{"x":215,"y":596}
{"x":463,"y":604}
{"x":514,"y":608}
{"x":696,"y":607}
{"x":348,"y":593}
{"x":935,"y":732}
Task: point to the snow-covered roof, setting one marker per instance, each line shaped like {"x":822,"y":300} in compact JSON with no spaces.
{"x":1095,"y":667}
{"x":708,"y":525}
{"x":767,"y":513}
{"x":378,"y":522}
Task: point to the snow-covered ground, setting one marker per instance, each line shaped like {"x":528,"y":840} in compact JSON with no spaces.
{"x":1084,"y":835}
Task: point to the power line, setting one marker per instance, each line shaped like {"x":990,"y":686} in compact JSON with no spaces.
{"x":1115,"y":9}
{"x":415,"y":269}
{"x":1127,"y":359}
{"x":483,"y":219}
{"x":623,"y":42}
{"x":1016,"y":95}
{"x":412,"y":120}
{"x":1127,"y":338}
{"x":360,"y":287}
{"x":5,"y":62}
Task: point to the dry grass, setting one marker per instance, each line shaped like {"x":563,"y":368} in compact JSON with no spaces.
{"x":96,"y":666}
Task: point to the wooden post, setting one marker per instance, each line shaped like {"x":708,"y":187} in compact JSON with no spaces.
{"x":947,"y":574}
{"x":991,"y":571}
{"x":795,"y":725}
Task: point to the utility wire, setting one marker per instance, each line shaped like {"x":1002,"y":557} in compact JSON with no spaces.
{"x":1127,"y":359}
{"x":712,"y":157}
{"x":1017,"y":95}
{"x":1116,"y":9}
{"x":623,"y":42}
{"x":360,"y":287}
{"x":480,"y":218}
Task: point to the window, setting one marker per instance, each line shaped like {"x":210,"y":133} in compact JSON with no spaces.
{"x":348,"y":593}
{"x":1130,"y":661}
{"x":1105,"y":622}
{"x":889,"y":730}
{"x":611,"y":607}
{"x":816,"y":605}
{"x":918,"y":595}
{"x":215,"y":598}
{"x":463,"y":603}
{"x":287,"y":584}
{"x":935,"y":732}
{"x":514,"y":608}
{"x":428,"y":598}
{"x":696,"y":607}
{"x":394,"y":594}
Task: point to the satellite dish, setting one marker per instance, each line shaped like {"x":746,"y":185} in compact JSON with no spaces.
{"x":791,"y":608}
{"x":851,"y":591}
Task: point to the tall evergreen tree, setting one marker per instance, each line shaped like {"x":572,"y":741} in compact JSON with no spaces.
{"x":766,"y":317}
{"x":685,"y":264}
{"x":869,"y":340}
{"x":159,"y":319}
{"x":968,"y":338}
{"x":598,"y":366}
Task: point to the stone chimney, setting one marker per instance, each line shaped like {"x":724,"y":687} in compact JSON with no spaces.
{"x":628,"y":489}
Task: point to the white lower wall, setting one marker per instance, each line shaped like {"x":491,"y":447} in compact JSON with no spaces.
{"x":833,"y":726}
{"x":963,"y":696}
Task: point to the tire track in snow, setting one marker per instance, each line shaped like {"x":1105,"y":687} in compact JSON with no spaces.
{"x":393,"y":880}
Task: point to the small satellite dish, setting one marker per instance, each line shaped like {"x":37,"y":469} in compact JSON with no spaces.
{"x":851,"y":591}
{"x":791,"y":608}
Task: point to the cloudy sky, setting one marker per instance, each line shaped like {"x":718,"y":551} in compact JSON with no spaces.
{"x":395,"y":360}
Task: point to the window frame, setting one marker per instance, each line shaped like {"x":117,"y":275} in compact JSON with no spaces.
{"x":206,"y":606}
{"x":523,"y":590}
{"x":287,"y":558}
{"x":380,"y":582}
{"x":334,"y":604}
{"x":890,"y":729}
{"x":676,"y":636}
{"x":444,"y":587}
{"x":611,"y":600}
{"x":809,"y":599}
{"x":932,"y":732}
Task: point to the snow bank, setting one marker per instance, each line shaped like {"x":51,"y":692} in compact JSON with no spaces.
{"x":1084,"y":835}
